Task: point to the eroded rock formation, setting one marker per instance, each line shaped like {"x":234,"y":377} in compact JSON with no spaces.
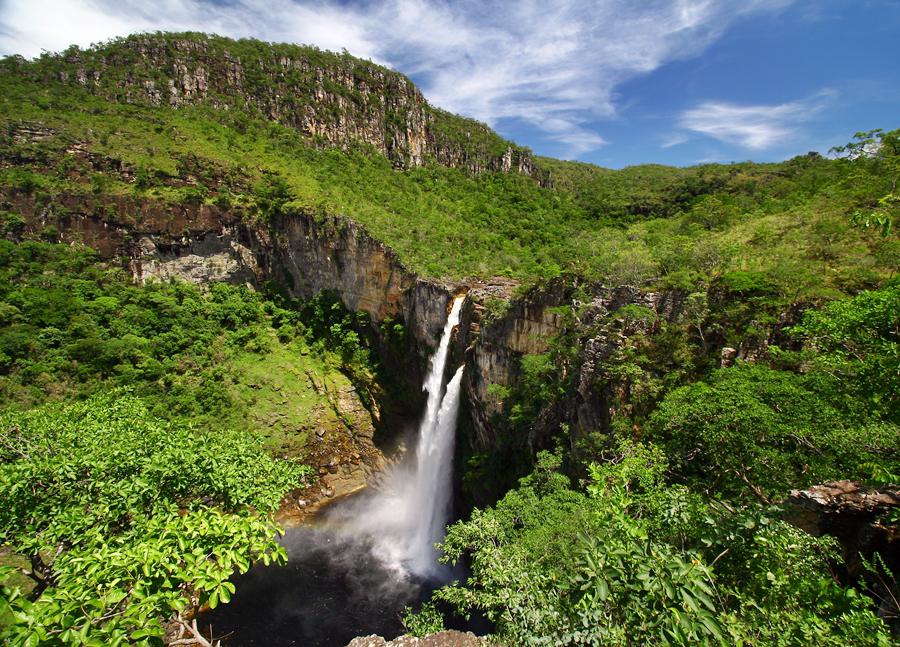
{"x":333,"y":99}
{"x":440,"y":639}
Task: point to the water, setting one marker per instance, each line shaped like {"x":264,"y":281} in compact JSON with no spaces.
{"x":367,"y":557}
{"x":427,"y":496}
{"x":332,"y":589}
{"x":406,"y":516}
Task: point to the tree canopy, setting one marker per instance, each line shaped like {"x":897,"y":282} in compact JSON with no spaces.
{"x":127,"y":520}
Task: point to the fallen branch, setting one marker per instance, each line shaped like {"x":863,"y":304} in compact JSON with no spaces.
{"x":753,"y":488}
{"x":197,"y":636}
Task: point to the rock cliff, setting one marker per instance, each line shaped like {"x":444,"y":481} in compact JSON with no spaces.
{"x":307,"y":253}
{"x":334,"y":99}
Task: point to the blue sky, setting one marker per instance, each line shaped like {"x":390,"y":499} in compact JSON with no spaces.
{"x":613,"y":82}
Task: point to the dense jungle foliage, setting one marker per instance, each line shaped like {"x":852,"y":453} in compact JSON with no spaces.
{"x":633,"y":560}
{"x":141,"y":457}
{"x":127,"y":520}
{"x":139,"y":465}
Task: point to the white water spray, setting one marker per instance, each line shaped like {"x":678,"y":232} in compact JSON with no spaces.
{"x":430,"y":492}
{"x":407,"y":517}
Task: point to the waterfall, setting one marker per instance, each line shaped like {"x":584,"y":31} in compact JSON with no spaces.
{"x":435,"y":381}
{"x":407,"y":516}
{"x":431,"y":490}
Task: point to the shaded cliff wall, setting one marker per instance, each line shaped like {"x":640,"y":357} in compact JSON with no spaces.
{"x":309,"y":254}
{"x":306,"y":254}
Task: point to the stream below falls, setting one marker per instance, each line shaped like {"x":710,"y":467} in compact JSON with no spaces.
{"x":332,"y":589}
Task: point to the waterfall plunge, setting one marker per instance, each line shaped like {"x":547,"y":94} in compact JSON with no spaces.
{"x":407,"y":516}
{"x":428,"y":495}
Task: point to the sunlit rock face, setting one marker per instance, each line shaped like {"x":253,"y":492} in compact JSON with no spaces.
{"x":333,"y":100}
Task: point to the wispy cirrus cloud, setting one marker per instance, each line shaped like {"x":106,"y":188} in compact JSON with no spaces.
{"x":755,"y":127}
{"x":554,"y":66}
{"x":674,"y":140}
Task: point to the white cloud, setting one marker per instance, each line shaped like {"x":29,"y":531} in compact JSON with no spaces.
{"x":674,"y":140}
{"x":553,"y":65}
{"x":754,"y":127}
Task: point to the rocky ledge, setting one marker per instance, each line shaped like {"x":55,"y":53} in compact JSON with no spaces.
{"x":846,"y":498}
{"x":440,"y":639}
{"x":857,"y":516}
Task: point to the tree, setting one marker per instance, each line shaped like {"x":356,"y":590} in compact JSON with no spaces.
{"x":751,"y":427}
{"x":858,"y":342}
{"x":877,"y":153}
{"x":127,"y":521}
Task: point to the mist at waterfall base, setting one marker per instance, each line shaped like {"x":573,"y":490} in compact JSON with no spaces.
{"x":352,"y":572}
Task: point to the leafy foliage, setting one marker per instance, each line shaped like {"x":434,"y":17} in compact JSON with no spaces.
{"x":427,"y":620}
{"x":771,"y":430}
{"x":127,"y":520}
{"x":858,"y":342}
{"x":71,"y":326}
{"x":880,"y":151}
{"x":751,"y":426}
{"x":101,"y":488}
{"x":123,"y":533}
{"x":634,"y":561}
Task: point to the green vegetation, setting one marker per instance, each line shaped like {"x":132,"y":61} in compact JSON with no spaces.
{"x":750,"y":426}
{"x":72,"y":327}
{"x":149,"y":432}
{"x":636,"y":561}
{"x":134,"y":507}
{"x":875,"y":153}
{"x":127,"y":520}
{"x":680,"y":540}
{"x":753,"y":427}
{"x":427,"y":620}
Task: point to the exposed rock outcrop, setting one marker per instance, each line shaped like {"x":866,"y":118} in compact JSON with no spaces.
{"x":855,"y":515}
{"x":309,"y":254}
{"x":841,"y":498}
{"x":333,"y":99}
{"x":441,"y":639}
{"x":528,"y":326}
{"x":851,"y":512}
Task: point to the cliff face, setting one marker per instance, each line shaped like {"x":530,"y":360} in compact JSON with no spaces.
{"x":529,"y":325}
{"x":334,"y":99}
{"x":307,"y":254}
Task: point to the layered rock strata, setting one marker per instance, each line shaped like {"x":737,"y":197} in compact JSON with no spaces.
{"x":333,"y":99}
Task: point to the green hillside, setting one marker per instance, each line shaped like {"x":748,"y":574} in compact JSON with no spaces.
{"x":150,"y":431}
{"x":650,"y":223}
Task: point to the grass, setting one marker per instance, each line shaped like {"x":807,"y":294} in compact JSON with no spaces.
{"x":286,"y":396}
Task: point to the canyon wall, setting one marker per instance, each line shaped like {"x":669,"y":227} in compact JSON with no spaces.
{"x":307,"y":253}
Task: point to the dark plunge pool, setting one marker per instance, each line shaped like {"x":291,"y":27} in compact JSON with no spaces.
{"x":332,"y":589}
